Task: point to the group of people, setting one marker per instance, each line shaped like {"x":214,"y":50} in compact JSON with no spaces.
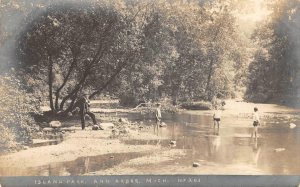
{"x":84,"y":109}
{"x":216,"y":119}
{"x":255,"y":119}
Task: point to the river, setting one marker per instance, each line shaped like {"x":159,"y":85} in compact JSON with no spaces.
{"x":194,"y":133}
{"x":232,"y":143}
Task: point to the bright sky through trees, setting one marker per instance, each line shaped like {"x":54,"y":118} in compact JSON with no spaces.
{"x":250,"y":12}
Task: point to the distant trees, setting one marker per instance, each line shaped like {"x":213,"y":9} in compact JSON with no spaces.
{"x":136,"y":50}
{"x":192,"y":51}
{"x":274,"y":71}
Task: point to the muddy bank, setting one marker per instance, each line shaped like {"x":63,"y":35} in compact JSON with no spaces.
{"x":81,"y":143}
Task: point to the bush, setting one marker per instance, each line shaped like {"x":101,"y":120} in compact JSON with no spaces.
{"x":167,"y":106}
{"x":128,"y":101}
{"x":16,"y":123}
{"x":7,"y":137}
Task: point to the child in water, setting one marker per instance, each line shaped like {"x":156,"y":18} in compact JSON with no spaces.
{"x":256,"y":122}
{"x":217,"y":117}
{"x":158,"y":116}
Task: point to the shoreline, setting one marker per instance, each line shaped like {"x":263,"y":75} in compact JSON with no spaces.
{"x":88,"y":143}
{"x":82,"y":143}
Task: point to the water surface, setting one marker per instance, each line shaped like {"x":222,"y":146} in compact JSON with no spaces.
{"x":194,"y":133}
{"x":232,"y":143}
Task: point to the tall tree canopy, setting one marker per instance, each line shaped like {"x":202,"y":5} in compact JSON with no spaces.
{"x":74,"y":48}
{"x":192,"y":50}
{"x":136,"y":50}
{"x":274,"y":72}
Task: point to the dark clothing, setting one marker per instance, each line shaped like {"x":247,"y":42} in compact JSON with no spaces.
{"x":255,"y":123}
{"x":84,"y":107}
{"x":223,"y":103}
{"x":217,"y":119}
{"x":84,"y":104}
{"x":82,"y":115}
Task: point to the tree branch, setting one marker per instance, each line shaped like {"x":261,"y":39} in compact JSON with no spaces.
{"x":50,"y":82}
{"x":73,"y":64}
{"x":112,"y":78}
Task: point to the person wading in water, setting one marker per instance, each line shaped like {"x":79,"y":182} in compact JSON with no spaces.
{"x":157,"y":116}
{"x":217,"y":118}
{"x":256,"y":123}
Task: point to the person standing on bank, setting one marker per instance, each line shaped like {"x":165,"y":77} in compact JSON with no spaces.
{"x":158,"y":116}
{"x":256,"y":123}
{"x":84,"y":106}
{"x":217,"y":117}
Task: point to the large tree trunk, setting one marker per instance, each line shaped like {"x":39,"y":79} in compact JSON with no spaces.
{"x":50,"y":83}
{"x":76,"y":89}
{"x":211,"y":62}
{"x":207,"y":89}
{"x":111,"y":79}
{"x":175,"y":98}
{"x":57,"y":93}
{"x":175,"y":89}
{"x":97,"y":57}
{"x":74,"y":99}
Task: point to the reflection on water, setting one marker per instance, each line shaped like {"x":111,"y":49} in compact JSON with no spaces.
{"x":213,"y":144}
{"x":256,"y":151}
{"x":55,"y":142}
{"x":230,"y":145}
{"x":79,"y":166}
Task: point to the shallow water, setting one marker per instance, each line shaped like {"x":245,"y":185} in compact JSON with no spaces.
{"x":52,"y":142}
{"x":231,"y":145}
{"x":79,"y":166}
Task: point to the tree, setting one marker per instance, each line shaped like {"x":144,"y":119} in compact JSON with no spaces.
{"x":72,"y":48}
{"x":142,"y":50}
{"x":187,"y":57}
{"x":273,"y":74}
{"x":16,"y":122}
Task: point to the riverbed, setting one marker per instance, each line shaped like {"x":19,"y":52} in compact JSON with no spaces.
{"x":228,"y":150}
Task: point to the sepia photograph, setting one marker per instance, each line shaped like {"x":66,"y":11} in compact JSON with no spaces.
{"x":149,"y":88}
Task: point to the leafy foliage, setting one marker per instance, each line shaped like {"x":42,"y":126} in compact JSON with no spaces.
{"x":16,"y":123}
{"x":192,"y":51}
{"x":135,"y":50}
{"x":273,"y":73}
{"x":73,"y":49}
